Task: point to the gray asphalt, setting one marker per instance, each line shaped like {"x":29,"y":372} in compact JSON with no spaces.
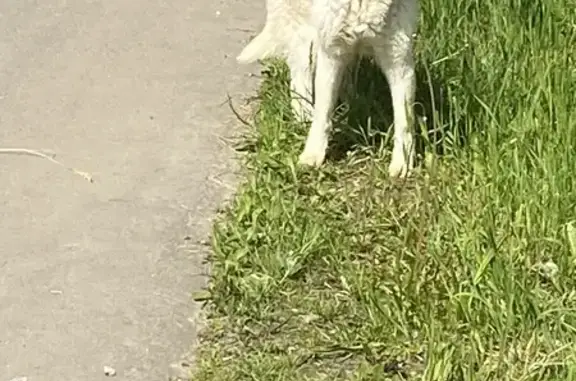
{"x":133,"y":92}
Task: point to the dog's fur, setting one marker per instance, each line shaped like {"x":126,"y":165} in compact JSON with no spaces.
{"x":318,"y":38}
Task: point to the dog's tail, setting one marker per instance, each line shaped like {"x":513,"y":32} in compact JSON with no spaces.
{"x":262,"y":46}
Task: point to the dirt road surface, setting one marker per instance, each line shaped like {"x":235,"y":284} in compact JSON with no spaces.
{"x":132,"y":92}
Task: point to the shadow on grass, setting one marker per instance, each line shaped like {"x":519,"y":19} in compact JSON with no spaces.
{"x":365,"y":115}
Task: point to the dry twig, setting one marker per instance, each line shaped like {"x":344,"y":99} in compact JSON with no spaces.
{"x":30,"y":152}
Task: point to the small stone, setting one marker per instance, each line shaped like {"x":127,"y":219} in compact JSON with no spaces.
{"x":309,"y":318}
{"x":179,"y":371}
{"x":109,"y":371}
{"x":548,"y":269}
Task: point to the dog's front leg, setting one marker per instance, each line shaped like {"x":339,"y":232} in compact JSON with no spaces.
{"x":301,"y":82}
{"x":329,"y":70}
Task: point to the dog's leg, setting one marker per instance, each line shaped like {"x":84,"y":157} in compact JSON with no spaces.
{"x":396,"y":61}
{"x":329,"y":71}
{"x":299,"y":61}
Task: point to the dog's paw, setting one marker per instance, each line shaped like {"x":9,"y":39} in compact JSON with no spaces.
{"x":401,"y":166}
{"x":399,"y":169}
{"x":312,"y":157}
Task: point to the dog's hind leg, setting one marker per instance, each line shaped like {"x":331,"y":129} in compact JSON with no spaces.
{"x":396,"y":61}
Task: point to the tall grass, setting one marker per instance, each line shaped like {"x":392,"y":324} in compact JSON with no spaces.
{"x":465,"y":272}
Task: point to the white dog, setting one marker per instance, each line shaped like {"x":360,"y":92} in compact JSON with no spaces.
{"x":318,"y":38}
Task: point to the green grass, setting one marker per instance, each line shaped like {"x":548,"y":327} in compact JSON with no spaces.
{"x":467,"y":271}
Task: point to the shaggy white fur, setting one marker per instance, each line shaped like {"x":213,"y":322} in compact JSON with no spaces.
{"x":319,"y":38}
